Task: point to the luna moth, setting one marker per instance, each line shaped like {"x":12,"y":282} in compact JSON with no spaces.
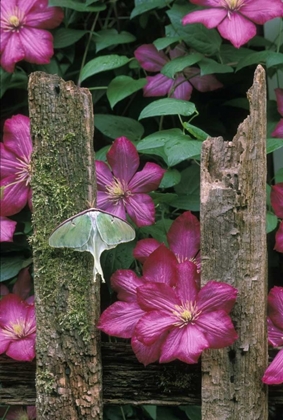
{"x":94,"y":231}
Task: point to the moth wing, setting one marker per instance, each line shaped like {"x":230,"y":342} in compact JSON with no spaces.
{"x":114,"y":230}
{"x":73,"y":233}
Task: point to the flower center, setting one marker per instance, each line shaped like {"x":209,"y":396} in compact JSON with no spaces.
{"x":186,"y":313}
{"x":18,"y":329}
{"x":232,"y":5}
{"x":13,"y":20}
{"x":23,"y":173}
{"x":118,"y":190}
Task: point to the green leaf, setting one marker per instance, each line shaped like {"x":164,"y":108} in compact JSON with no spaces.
{"x":232,"y":55}
{"x":192,"y":411}
{"x":197,"y":36}
{"x":118,"y":258}
{"x":63,"y":37}
{"x":273,"y":144}
{"x":195,"y":131}
{"x":172,"y":145}
{"x":158,"y":231}
{"x":164,"y":42}
{"x":270,"y":58}
{"x":209,"y":66}
{"x":178,"y":64}
{"x":238,"y":103}
{"x":151,"y":410}
{"x":168,"y":106}
{"x":121,"y":87}
{"x":103,"y":63}
{"x":279,"y":176}
{"x":114,"y":126}
{"x":101,"y":153}
{"x":271,"y":222}
{"x":159,"y":198}
{"x":108,"y":37}
{"x":142,"y":6}
{"x":76,"y":5}
{"x":188,"y":189}
{"x":170,"y":178}
{"x":10,"y":266}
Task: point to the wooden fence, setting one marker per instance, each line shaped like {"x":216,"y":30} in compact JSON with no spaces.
{"x":71,"y":380}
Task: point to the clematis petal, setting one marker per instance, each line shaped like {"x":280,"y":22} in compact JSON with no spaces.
{"x":188,"y":280}
{"x":12,"y":53}
{"x":5,"y":341}
{"x":276,"y":198}
{"x":275,"y":306}
{"x":10,"y":205}
{"x":123,"y":159}
{"x":152,"y":325}
{"x":279,"y":99}
{"x":158,"y":85}
{"x":144,"y":248}
{"x":125,"y":283}
{"x":120,"y":319}
{"x":278,"y":130}
{"x":150,"y":58}
{"x":275,"y":334}
{"x":237,"y":29}
{"x":104,"y":175}
{"x":208,"y":3}
{"x":184,"y":236}
{"x":7,"y":229}
{"x":208,"y":17}
{"x":3,"y":290}
{"x":217,"y":328}
{"x":159,"y":296}
{"x":12,"y":308}
{"x":206,"y":83}
{"x":147,"y":354}
{"x":182,"y":89}
{"x":148,"y":179}
{"x":274,"y":373}
{"x":215,"y":296}
{"x":22,"y":350}
{"x":141,"y":209}
{"x":37,"y":45}
{"x":161,"y":266}
{"x":279,"y":238}
{"x":31,"y":411}
{"x":8,"y":162}
{"x":39,"y":15}
{"x":260,"y":11}
{"x":22,"y":287}
{"x":17,"y":136}
{"x":185,"y":344}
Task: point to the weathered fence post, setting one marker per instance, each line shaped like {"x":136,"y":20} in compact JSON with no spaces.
{"x":68,"y":375}
{"x":233,"y":208}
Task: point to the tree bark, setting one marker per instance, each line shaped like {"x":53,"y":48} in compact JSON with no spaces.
{"x":68,"y":372}
{"x":233,"y":246}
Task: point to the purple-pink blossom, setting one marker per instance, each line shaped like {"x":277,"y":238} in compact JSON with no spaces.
{"x":182,"y":85}
{"x":278,"y":130}
{"x":277,"y":204}
{"x":165,"y":314}
{"x":23,"y":32}
{"x":122,"y":189}
{"x":235,"y":20}
{"x":19,"y":413}
{"x":274,"y":373}
{"x":17,"y":328}
{"x":7,"y":229}
{"x":15,"y":165}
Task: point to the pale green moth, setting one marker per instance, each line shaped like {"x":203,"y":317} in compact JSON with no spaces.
{"x":94,"y":231}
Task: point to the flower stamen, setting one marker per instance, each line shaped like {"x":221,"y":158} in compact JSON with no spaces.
{"x":118,"y":191}
{"x":186,"y":313}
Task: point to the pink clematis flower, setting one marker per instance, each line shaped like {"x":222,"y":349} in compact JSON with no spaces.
{"x":19,"y":413}
{"x":236,"y":20}
{"x":23,"y":34}
{"x":122,"y":189}
{"x":182,"y":86}
{"x":7,"y":229}
{"x":277,"y":204}
{"x":278,"y":131}
{"x":15,"y":166}
{"x":183,"y":239}
{"x":165,"y":314}
{"x":274,"y":373}
{"x":17,"y":328}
